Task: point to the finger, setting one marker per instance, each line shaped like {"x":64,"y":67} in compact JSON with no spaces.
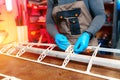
{"x":80,"y":49}
{"x":77,"y":45}
{"x":65,"y":41}
{"x":63,"y":47}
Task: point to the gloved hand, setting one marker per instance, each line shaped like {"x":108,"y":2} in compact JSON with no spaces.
{"x":61,"y":41}
{"x":118,"y":4}
{"x":82,"y":43}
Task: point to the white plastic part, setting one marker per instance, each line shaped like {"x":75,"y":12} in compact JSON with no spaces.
{"x":69,"y":50}
{"x":22,"y":51}
{"x":112,"y":63}
{"x":5,"y":48}
{"x":6,"y":77}
{"x":8,"y":4}
{"x":45,"y":52}
{"x":91,"y":60}
{"x":117,"y":51}
{"x":11,"y":50}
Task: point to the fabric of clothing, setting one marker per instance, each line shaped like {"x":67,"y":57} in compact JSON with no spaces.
{"x":61,"y":2}
{"x":95,"y":7}
{"x":72,"y":20}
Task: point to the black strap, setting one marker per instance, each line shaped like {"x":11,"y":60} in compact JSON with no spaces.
{"x":55,"y":2}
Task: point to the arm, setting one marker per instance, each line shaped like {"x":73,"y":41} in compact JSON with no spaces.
{"x":97,"y":9}
{"x":60,"y":39}
{"x":98,"y":12}
{"x":50,"y":25}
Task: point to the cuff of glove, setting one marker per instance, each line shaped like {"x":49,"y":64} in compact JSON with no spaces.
{"x":91,"y":35}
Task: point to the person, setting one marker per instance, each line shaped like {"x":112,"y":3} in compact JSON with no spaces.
{"x":75,"y":22}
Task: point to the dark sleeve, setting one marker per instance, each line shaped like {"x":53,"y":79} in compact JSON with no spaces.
{"x":98,"y":12}
{"x":50,"y":25}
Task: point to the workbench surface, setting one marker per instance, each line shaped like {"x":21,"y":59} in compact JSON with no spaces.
{"x":27,"y":70}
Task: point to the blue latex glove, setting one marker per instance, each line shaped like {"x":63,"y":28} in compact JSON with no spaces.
{"x":82,"y":43}
{"x":61,"y":41}
{"x":118,"y":4}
